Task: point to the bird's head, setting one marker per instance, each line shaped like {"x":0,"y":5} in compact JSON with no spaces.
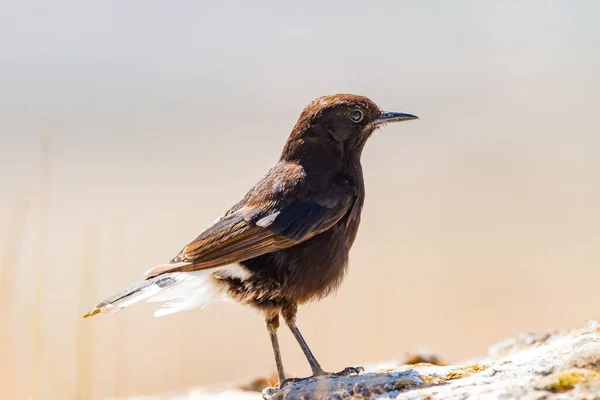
{"x":343,"y":121}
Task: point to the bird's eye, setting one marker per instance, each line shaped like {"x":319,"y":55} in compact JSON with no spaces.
{"x":356,"y":115}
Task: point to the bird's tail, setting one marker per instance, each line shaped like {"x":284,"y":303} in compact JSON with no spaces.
{"x":180,"y":291}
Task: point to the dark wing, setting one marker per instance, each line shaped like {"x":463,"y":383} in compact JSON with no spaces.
{"x":252,"y":231}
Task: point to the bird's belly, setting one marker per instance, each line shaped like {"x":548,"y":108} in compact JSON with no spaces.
{"x":309,"y":270}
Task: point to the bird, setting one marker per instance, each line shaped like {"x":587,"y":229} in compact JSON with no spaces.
{"x":287,"y":241}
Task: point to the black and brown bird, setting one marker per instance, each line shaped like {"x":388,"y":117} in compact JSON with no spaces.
{"x":286,"y":242}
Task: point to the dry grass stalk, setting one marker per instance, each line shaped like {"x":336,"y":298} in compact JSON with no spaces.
{"x":8,"y":266}
{"x":84,"y":330}
{"x":37,"y":350}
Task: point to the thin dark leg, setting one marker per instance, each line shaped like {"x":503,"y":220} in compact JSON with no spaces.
{"x":289,"y":314}
{"x":314,"y":364}
{"x":272,"y":325}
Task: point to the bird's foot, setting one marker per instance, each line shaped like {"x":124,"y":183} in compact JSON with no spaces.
{"x":345,"y":372}
{"x":348,"y":371}
{"x":271,"y":391}
{"x":291,"y":381}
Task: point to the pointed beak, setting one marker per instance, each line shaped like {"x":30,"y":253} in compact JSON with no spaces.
{"x":392,"y":116}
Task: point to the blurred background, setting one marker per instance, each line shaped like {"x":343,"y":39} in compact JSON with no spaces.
{"x":127,"y":127}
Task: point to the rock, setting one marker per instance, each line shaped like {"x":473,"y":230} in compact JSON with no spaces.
{"x":361,"y":386}
{"x":549,"y":366}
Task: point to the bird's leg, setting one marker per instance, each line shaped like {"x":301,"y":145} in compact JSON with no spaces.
{"x":272,"y":325}
{"x":289,"y":314}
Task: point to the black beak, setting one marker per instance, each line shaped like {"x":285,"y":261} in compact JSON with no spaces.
{"x":392,"y":116}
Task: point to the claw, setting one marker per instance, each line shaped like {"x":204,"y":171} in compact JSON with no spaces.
{"x":349,"y":371}
{"x":271,"y":391}
{"x":268,"y":392}
{"x":290,"y":381}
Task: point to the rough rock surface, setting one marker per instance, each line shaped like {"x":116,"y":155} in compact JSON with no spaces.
{"x":554,"y":365}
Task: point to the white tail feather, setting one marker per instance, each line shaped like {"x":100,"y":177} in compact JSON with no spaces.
{"x":195,"y":289}
{"x":179,"y":290}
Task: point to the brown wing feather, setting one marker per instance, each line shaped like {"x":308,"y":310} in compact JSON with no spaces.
{"x":249,"y":232}
{"x":236,"y":242}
